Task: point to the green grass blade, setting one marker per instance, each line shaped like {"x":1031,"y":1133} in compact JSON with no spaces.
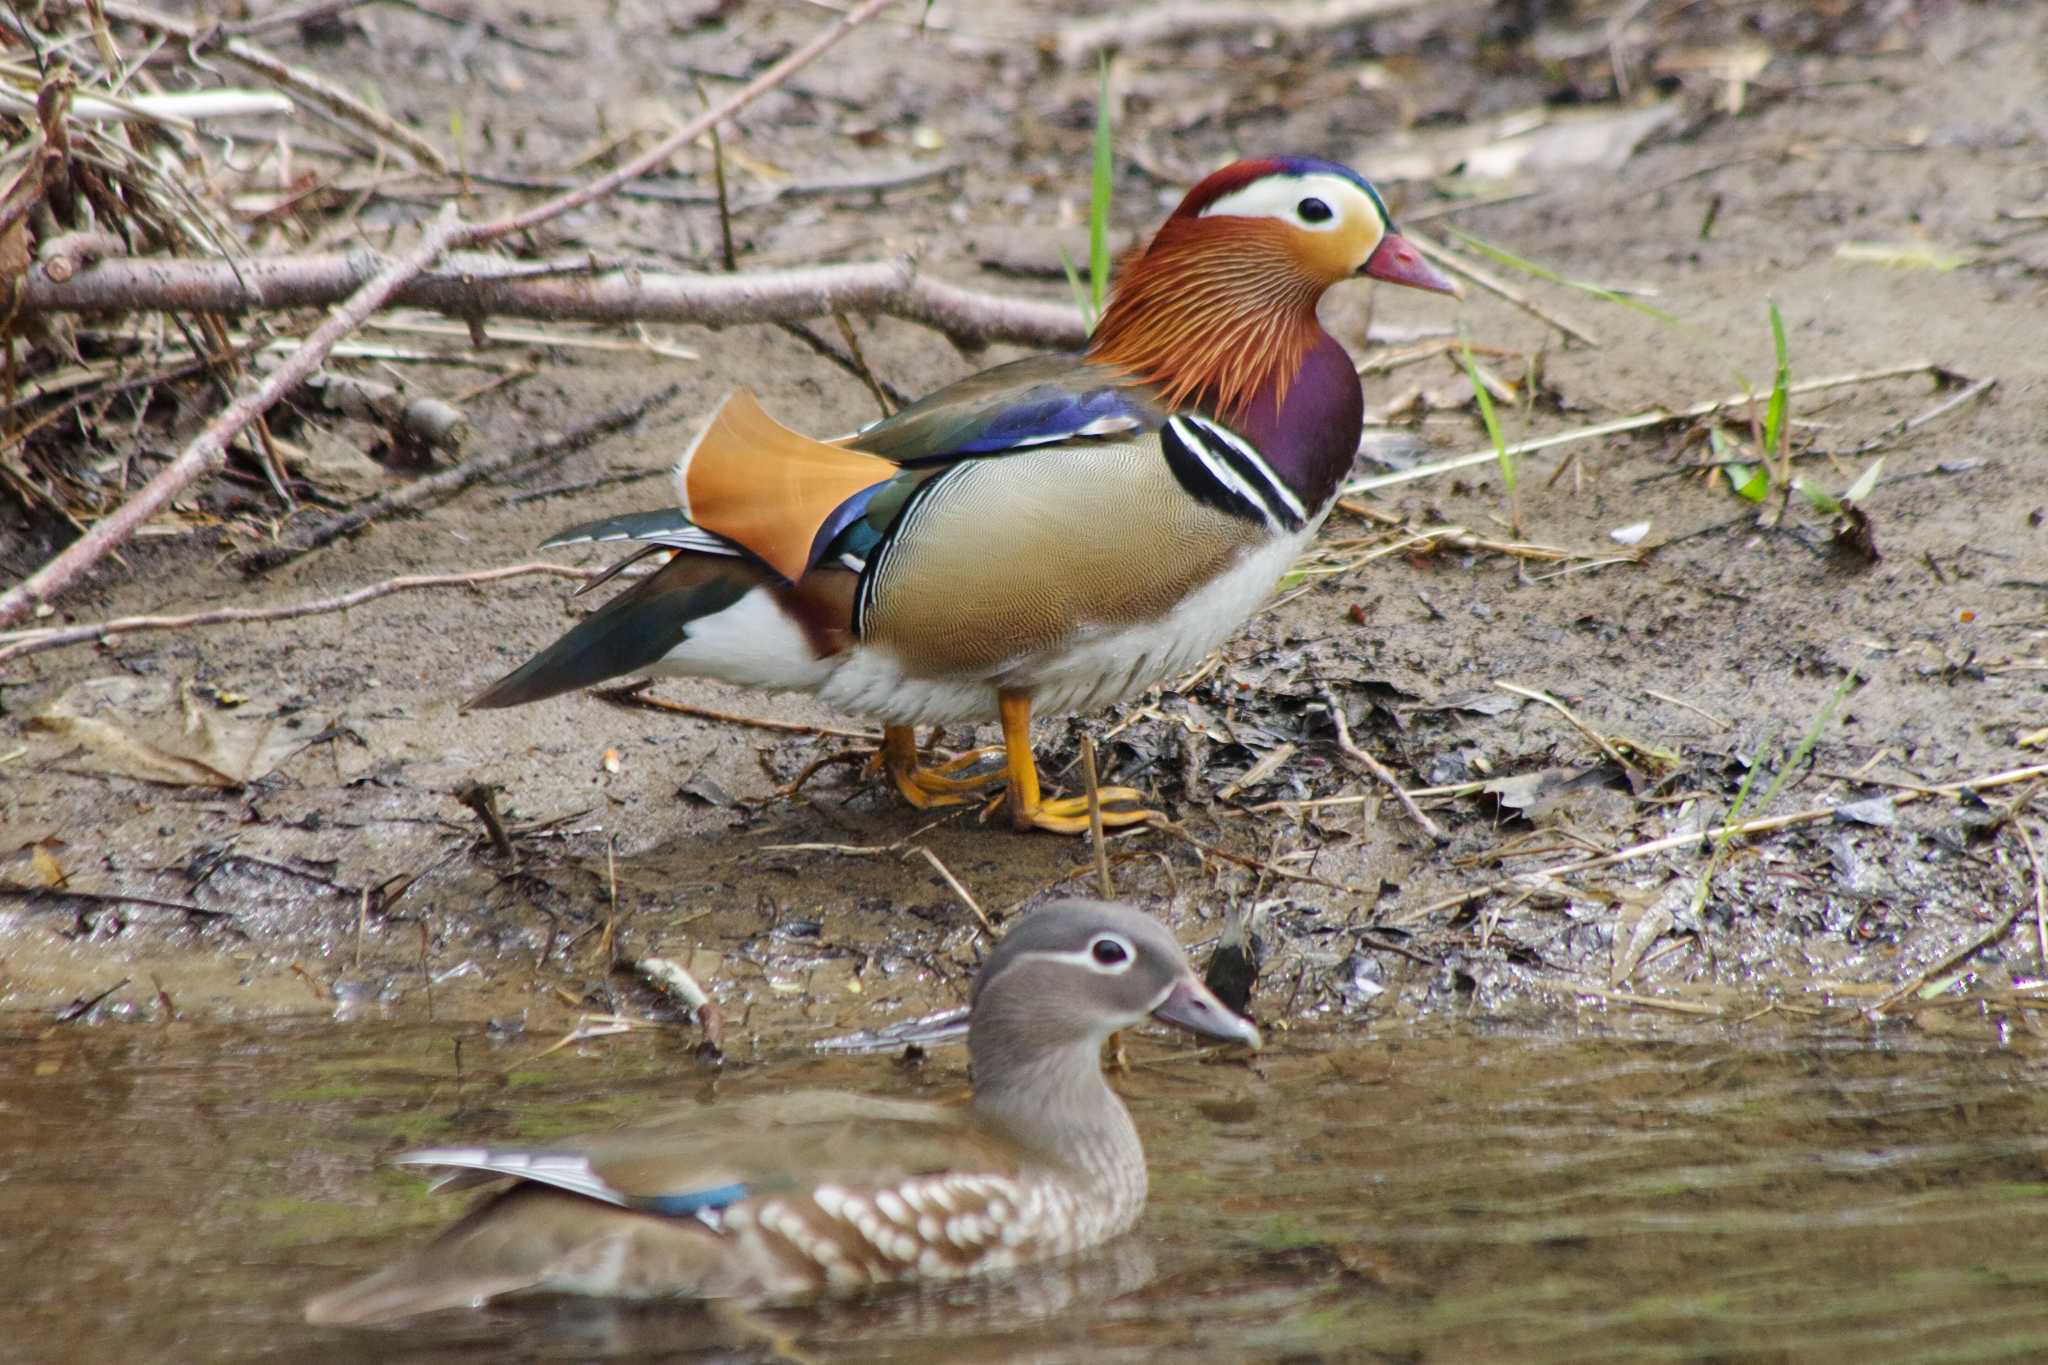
{"x":1528,"y":267}
{"x":1774,"y":416}
{"x":1487,"y":415}
{"x":1809,"y":739}
{"x":1756,"y":764}
{"x":1080,"y":290}
{"x":1098,"y":199}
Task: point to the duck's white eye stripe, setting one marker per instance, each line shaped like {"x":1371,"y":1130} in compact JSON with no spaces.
{"x":1282,"y":197}
{"x":1107,"y":954}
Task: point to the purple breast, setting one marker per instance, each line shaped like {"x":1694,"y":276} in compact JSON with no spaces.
{"x":1310,"y":439}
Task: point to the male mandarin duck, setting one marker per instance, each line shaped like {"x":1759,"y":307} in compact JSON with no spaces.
{"x":789,"y":1196}
{"x":1053,"y":534}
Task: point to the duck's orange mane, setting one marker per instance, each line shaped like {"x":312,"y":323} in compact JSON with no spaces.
{"x":1213,"y":309}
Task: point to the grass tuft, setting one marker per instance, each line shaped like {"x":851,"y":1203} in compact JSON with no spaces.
{"x":1508,"y":461}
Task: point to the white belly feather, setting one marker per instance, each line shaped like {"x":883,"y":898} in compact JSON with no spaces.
{"x":753,"y":644}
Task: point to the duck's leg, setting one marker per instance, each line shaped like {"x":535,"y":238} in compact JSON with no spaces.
{"x":928,"y":787}
{"x":1064,"y":814}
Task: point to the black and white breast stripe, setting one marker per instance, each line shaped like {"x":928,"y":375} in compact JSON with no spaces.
{"x":876,"y":565}
{"x":1223,"y":470}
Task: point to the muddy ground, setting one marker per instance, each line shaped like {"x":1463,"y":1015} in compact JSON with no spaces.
{"x":345,"y":875}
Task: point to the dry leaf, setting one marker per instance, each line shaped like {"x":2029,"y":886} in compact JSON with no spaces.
{"x":44,"y":869}
{"x":135,"y":728}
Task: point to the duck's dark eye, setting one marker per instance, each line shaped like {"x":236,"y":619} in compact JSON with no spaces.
{"x":1314,"y":211}
{"x":1109,"y":952}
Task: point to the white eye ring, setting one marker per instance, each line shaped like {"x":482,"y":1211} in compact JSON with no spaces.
{"x":1111,"y":954}
{"x":1281,"y":197}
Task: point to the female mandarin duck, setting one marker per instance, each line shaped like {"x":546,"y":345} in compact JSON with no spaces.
{"x":1057,"y":533}
{"x":789,"y":1196}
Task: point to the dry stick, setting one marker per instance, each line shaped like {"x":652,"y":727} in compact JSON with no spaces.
{"x":1493,"y":284}
{"x":21,"y":644}
{"x":1599,"y":740}
{"x":630,"y":695}
{"x":475,"y":286}
{"x":610,"y":941}
{"x":1653,"y":418}
{"x":1953,"y":959}
{"x":966,"y":896}
{"x":1378,"y":769}
{"x":314,"y":89}
{"x":1969,"y":394}
{"x":1095,"y":818}
{"x":449,"y":482}
{"x":1763,"y":825}
{"x":208,"y":451}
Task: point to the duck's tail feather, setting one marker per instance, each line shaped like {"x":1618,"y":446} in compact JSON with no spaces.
{"x":535,"y":1239}
{"x":631,"y":632}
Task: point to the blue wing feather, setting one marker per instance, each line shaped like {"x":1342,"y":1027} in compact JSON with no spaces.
{"x":1026,"y":403}
{"x":1029,"y":402}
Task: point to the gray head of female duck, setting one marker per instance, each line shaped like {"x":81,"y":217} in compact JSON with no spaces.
{"x":1063,"y":979}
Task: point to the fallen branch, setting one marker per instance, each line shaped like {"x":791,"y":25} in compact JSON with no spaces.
{"x":208,"y":451}
{"x":23,"y":643}
{"x":481,"y":286}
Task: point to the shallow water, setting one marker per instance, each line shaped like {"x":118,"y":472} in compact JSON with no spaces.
{"x":175,"y":1192}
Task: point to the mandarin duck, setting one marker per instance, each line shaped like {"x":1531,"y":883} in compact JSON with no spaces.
{"x":1054,"y":534}
{"x":814,"y":1192}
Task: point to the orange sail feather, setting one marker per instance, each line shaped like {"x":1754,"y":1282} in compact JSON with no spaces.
{"x":763,"y":486}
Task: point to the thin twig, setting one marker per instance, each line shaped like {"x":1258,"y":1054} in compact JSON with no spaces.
{"x":873,"y":183}
{"x":631,"y":694}
{"x":966,"y":896}
{"x":1652,"y":418}
{"x":2019,"y":826}
{"x":1702,"y":712}
{"x":1378,"y":769}
{"x":483,"y":800}
{"x":1951,"y":959}
{"x":1630,"y":998}
{"x":1095,"y":818}
{"x":308,"y":86}
{"x":608,"y":943}
{"x":1599,"y":740}
{"x":1171,"y":22}
{"x":1494,"y":284}
{"x":22,"y":643}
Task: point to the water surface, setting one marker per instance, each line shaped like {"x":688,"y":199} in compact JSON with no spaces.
{"x":175,"y":1193}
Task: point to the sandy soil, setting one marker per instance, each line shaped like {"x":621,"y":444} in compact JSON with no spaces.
{"x":1881,"y":123}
